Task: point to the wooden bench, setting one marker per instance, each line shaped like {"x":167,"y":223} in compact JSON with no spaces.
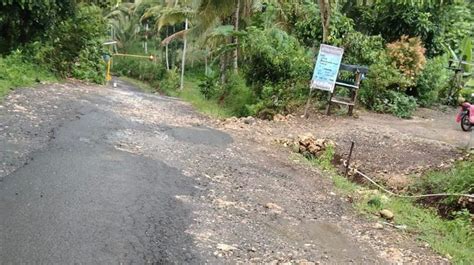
{"x":352,"y":83}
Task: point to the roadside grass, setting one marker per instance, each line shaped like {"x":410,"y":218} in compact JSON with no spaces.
{"x":191,"y":94}
{"x":16,"y":72}
{"x":453,"y":238}
{"x":459,"y":179}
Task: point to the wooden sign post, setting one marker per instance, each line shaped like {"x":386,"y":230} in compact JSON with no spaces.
{"x":326,"y":70}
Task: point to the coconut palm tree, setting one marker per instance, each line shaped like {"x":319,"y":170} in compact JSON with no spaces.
{"x":122,"y":22}
{"x":172,"y":14}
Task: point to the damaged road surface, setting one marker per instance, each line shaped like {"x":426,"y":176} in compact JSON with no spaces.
{"x":91,"y":174}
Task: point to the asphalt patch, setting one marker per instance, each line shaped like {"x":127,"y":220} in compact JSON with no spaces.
{"x":200,"y":135}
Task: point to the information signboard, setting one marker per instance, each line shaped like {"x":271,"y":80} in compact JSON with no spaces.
{"x":327,"y":68}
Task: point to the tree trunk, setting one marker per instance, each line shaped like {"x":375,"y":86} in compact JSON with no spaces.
{"x":223,"y":67}
{"x":146,"y":39}
{"x":167,"y":57}
{"x":167,"y":51}
{"x":325,"y":10}
{"x":183,"y":61}
{"x":236,"y":41}
{"x":205,"y":64}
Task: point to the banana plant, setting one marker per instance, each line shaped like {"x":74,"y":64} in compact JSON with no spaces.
{"x":462,"y":63}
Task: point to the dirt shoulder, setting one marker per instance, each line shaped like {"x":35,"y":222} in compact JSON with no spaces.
{"x":387,"y":148}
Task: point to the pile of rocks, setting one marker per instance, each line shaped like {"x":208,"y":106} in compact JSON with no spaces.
{"x":308,"y":145}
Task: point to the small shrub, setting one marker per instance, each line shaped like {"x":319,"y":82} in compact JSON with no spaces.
{"x":141,"y":69}
{"x":326,"y":159}
{"x":467,"y":94}
{"x":434,"y":78}
{"x":408,"y":56}
{"x":400,"y":104}
{"x":382,"y":76}
{"x":362,"y":49}
{"x":16,"y":71}
{"x":88,"y":67}
{"x":237,"y":95}
{"x":396,"y":103}
{"x":209,"y":85}
{"x":170,"y":81}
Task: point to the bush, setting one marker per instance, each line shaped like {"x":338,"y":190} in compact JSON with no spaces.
{"x":273,"y":56}
{"x":400,"y":105}
{"x":170,"y":81}
{"x":209,"y":85}
{"x":436,"y":24}
{"x":382,"y":76}
{"x":22,"y":22}
{"x":408,"y":56}
{"x":75,"y":46}
{"x":467,"y":94}
{"x":361,"y":49}
{"x":16,"y":71}
{"x":277,"y":67}
{"x":141,"y":69}
{"x":434,"y":78}
{"x":383,"y":90}
{"x":236,"y":95}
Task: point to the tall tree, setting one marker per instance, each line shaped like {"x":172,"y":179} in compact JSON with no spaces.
{"x":236,"y":51}
{"x":325,"y":11}
{"x":177,"y":13}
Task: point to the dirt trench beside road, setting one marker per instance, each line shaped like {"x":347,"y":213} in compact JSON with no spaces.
{"x":91,"y":174}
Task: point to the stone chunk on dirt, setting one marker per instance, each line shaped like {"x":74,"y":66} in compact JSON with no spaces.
{"x":224,"y":204}
{"x":387,"y":214}
{"x":308,"y":145}
{"x":279,"y":117}
{"x":249,"y":120}
{"x":274,"y":207}
{"x":225,"y":247}
{"x":378,"y":226}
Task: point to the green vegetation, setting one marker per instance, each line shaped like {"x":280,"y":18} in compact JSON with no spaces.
{"x":256,"y":57}
{"x":191,"y":94}
{"x":459,"y":179}
{"x":253,"y":57}
{"x":17,"y":72}
{"x":46,"y":41}
{"x":451,"y":235}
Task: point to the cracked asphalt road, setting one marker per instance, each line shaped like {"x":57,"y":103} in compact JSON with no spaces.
{"x":97,"y":175}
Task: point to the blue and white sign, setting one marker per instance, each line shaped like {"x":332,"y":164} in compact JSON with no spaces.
{"x":327,"y":68}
